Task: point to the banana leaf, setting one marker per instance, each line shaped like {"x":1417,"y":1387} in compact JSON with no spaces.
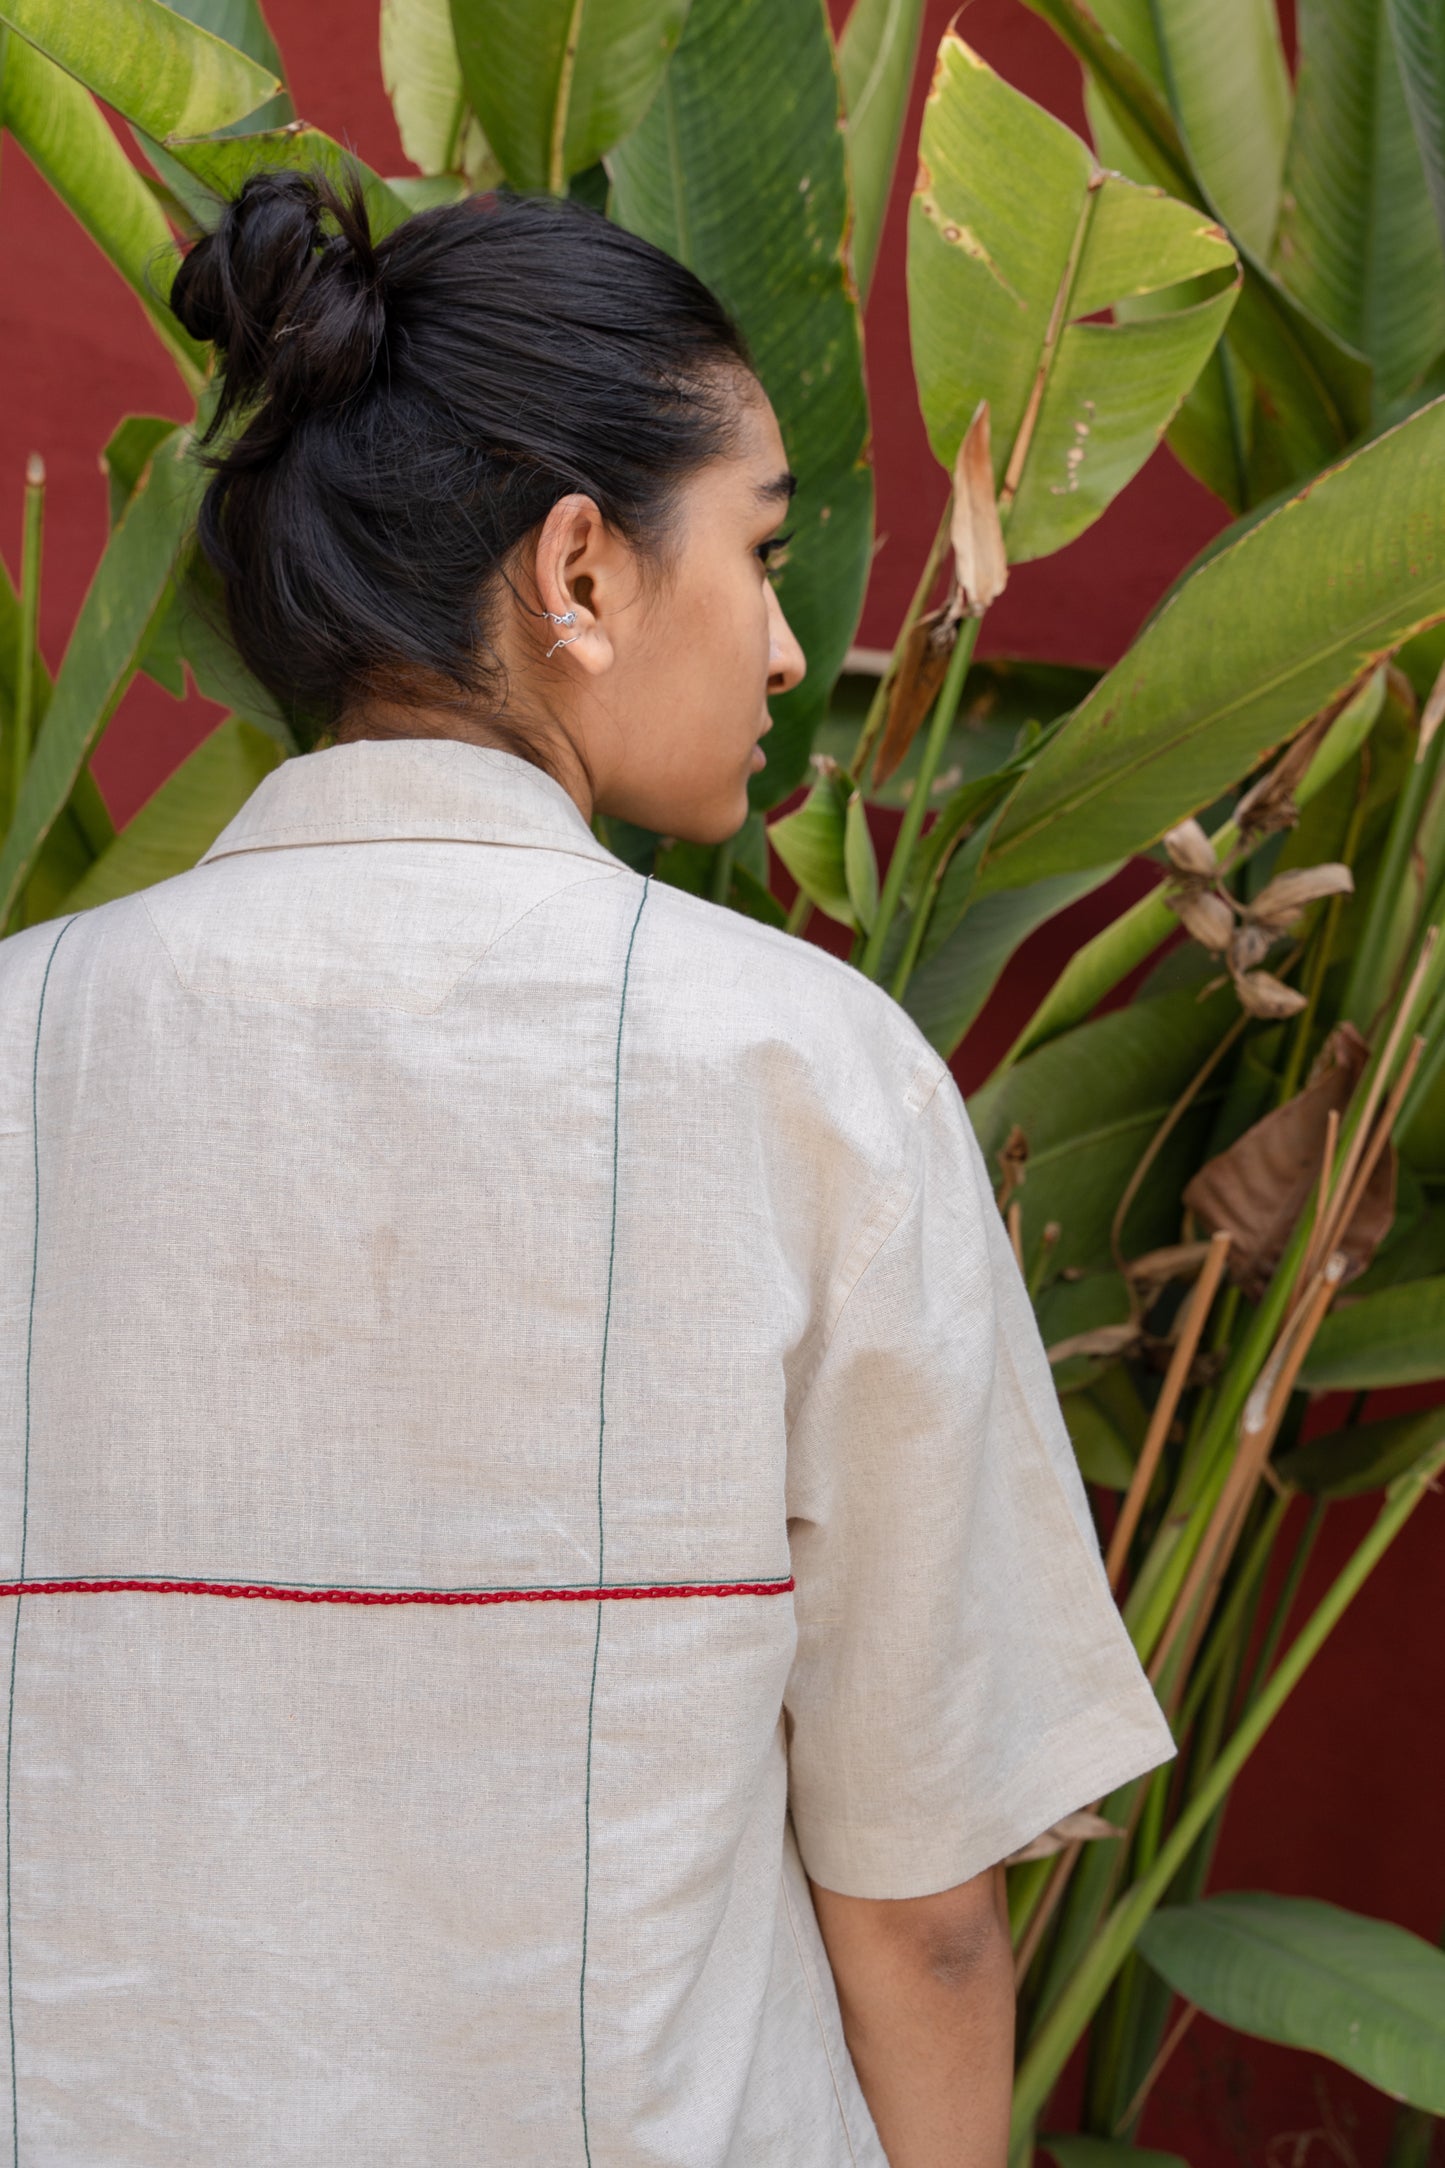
{"x":1016,"y":239}
{"x":131,"y":587}
{"x":1364,"y":1992}
{"x":556,"y":83}
{"x":877,"y":54}
{"x":1266,"y":634}
{"x":183,"y":818}
{"x":1358,"y":243}
{"x":1396,"y":1337}
{"x":66,"y":137}
{"x":169,"y":76}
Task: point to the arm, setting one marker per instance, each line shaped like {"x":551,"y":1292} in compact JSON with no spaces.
{"x":926,"y":1989}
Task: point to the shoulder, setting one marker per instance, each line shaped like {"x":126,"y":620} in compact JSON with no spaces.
{"x":733,"y":987}
{"x":25,"y":964}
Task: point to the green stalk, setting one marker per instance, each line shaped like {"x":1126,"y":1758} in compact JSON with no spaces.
{"x":720,"y":886}
{"x":1376,"y":970}
{"x":1284,"y":1602}
{"x":1320,"y":956}
{"x":27,"y":626}
{"x":944,"y":711}
{"x":1231,"y":1619}
{"x":1040,"y":2070}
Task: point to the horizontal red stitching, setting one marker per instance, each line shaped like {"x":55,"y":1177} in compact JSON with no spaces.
{"x":389,"y":1595}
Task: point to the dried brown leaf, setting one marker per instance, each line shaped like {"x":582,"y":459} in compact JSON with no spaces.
{"x":1205,"y":916}
{"x":1073,"y":1829}
{"x":1150,"y":1274}
{"x":1102,"y":1340}
{"x":1269,"y":805}
{"x":980,"y":567}
{"x":1191,"y":851}
{"x":1260,"y":1186}
{"x":1264,"y":995}
{"x":921,"y":670}
{"x":1283,"y":902}
{"x":1248,"y":946}
{"x":1013,"y":1164}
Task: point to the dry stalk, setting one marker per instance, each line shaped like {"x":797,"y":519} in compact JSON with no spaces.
{"x":1150,"y":2078}
{"x":1190,"y":1330}
{"x":1162,"y":1134}
{"x":1263,"y":1412}
{"x":1016,"y":1231}
{"x":1326,"y":1230}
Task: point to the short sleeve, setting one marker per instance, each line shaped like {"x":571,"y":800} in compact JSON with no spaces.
{"x":962,"y":1677}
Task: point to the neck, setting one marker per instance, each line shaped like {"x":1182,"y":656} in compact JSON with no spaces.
{"x":552,"y":752}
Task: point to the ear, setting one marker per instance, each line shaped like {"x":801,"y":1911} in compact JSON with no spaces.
{"x":584,"y":566}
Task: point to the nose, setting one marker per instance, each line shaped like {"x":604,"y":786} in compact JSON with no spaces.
{"x":787,"y":664}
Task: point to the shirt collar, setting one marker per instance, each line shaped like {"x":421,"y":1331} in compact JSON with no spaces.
{"x":376,"y":790}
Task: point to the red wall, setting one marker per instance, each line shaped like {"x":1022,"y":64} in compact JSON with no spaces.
{"x":1342,"y":1802}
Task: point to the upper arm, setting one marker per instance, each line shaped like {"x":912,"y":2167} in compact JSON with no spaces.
{"x":962,"y":1675}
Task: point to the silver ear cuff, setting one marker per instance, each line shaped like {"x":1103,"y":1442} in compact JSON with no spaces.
{"x":569,"y":617}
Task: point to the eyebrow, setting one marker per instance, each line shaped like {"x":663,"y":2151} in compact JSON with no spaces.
{"x":779,"y":490}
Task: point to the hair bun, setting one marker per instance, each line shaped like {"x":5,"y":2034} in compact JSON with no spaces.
{"x":288,"y":288}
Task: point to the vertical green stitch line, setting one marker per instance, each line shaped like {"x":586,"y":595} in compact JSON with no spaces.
{"x":24,"y":1531}
{"x":601,"y":1533}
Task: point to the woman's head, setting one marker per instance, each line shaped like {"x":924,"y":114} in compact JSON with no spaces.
{"x":507,"y":411}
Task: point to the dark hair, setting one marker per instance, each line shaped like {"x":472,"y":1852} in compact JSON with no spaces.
{"x":416,"y":407}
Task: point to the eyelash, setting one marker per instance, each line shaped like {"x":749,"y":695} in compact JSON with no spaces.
{"x":775,"y":542}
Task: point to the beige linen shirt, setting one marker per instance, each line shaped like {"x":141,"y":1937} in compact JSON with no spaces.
{"x":520,"y":1434}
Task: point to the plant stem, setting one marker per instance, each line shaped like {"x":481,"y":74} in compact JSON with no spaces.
{"x":1284,"y":1602}
{"x":1041,"y":2067}
{"x":1323,"y":948}
{"x":27,"y":625}
{"x":878,"y":705}
{"x":801,"y":912}
{"x":917,"y":806}
{"x":720,"y":886}
{"x":1231,"y":1617}
{"x":1374,"y":972}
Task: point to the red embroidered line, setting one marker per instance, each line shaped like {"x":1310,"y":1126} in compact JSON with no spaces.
{"x":390,"y":1595}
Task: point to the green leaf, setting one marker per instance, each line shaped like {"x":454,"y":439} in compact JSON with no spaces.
{"x":951,"y":985}
{"x":1363,"y":1456}
{"x":1088,"y":1104}
{"x":1015,"y":236}
{"x":738,"y":170}
{"x":66,"y":137}
{"x":1314,"y":390}
{"x":1419,"y":30}
{"x":422,"y":71}
{"x":169,"y":76}
{"x":877,"y":54}
{"x":1264,"y":635}
{"x":1080,"y":2152}
{"x":183,"y":818}
{"x":556,"y":83}
{"x":746,"y":893}
{"x":860,"y":862}
{"x":1394,"y":1338}
{"x":130,"y":588}
{"x":242,"y":24}
{"x":1364,"y":1992}
{"x":1101,"y":1453}
{"x":133,"y":444}
{"x":812,"y":843}
{"x":1220,"y":66}
{"x":205,"y":175}
{"x":1357,"y":240}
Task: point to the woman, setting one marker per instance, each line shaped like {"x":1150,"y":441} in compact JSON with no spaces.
{"x":566,"y":1325}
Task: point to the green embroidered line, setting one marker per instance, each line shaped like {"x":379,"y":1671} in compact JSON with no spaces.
{"x":601,"y":1529}
{"x":24,"y":1531}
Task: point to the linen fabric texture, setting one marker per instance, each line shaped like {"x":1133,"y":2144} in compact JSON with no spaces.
{"x":358,"y":1239}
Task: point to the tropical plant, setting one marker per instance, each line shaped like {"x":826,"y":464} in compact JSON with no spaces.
{"x":1224,"y":1194}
